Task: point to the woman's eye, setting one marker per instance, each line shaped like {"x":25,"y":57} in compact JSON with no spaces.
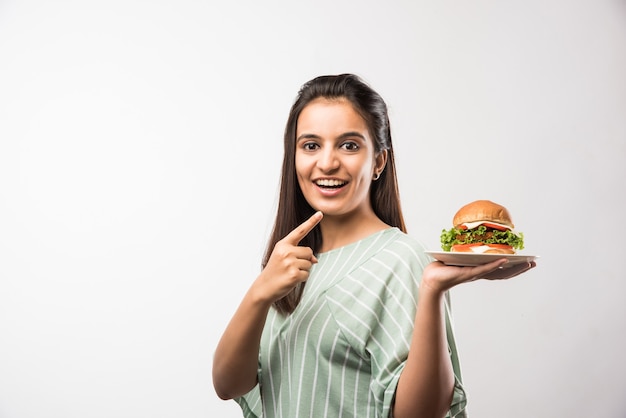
{"x":310,"y":146}
{"x":350,"y":146}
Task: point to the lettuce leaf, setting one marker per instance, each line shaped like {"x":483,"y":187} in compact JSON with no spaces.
{"x":480,"y":235}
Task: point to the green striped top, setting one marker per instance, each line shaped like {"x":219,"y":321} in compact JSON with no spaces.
{"x":341,"y":352}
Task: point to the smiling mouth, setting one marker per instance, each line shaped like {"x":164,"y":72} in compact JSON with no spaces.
{"x":330,"y":183}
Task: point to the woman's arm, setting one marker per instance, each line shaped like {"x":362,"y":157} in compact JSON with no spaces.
{"x":425,"y":388}
{"x":426,"y":385}
{"x":235,"y":363}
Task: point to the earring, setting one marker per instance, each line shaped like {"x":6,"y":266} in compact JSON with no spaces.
{"x":376,"y":176}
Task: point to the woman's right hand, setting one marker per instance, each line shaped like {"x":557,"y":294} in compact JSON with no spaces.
{"x":288,"y":265}
{"x":235,"y":362}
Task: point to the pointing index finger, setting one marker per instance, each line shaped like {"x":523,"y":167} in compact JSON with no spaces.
{"x":301,"y":231}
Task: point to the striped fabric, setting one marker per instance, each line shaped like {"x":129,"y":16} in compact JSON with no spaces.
{"x":340,"y":354}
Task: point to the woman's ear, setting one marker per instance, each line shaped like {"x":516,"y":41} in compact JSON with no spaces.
{"x":380,"y":163}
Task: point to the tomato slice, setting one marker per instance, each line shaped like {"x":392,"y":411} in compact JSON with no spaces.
{"x":489,"y":225}
{"x":462,"y":246}
{"x":466,"y":245}
{"x":493,"y":226}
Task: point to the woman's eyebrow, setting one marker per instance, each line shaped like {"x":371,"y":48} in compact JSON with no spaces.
{"x":345,"y":135}
{"x":352,"y":134}
{"x":307,"y":136}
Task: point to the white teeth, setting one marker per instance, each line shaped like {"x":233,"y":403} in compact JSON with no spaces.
{"x":329,"y":183}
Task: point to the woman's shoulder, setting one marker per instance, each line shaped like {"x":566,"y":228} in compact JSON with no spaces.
{"x":397,"y":254}
{"x":405,"y":244}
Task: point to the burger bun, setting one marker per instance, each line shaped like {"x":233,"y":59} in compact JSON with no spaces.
{"x":483,"y":210}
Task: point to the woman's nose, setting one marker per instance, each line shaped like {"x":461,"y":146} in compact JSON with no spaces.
{"x":328,"y":160}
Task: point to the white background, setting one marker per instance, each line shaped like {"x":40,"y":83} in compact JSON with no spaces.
{"x":140,"y":145}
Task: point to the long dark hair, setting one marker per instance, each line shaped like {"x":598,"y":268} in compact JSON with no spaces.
{"x":293,"y":209}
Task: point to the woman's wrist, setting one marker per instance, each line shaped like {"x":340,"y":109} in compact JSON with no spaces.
{"x":431,"y":290}
{"x":257,"y":298}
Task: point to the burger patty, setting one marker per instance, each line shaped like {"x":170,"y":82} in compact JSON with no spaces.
{"x":475,"y":237}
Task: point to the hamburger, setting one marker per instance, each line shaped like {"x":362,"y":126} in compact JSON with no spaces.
{"x":483,"y":227}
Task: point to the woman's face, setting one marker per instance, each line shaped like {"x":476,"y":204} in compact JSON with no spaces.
{"x":335,"y":158}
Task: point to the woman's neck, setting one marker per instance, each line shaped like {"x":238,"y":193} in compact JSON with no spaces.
{"x":338,"y":231}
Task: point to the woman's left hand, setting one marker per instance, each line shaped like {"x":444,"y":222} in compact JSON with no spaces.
{"x":440,"y":277}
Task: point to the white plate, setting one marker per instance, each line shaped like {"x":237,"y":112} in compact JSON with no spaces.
{"x":473,"y":259}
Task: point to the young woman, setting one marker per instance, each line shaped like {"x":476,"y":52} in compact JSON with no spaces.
{"x":348,"y":316}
